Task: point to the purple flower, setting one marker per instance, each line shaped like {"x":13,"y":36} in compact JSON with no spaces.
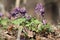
{"x":15,"y":11}
{"x":23,"y":11}
{"x":39,"y":8}
{"x":28,"y":17}
{"x":1,"y":14}
{"x":42,"y":14}
{"x":22,"y":38}
{"x":44,"y":21}
{"x":13,"y":14}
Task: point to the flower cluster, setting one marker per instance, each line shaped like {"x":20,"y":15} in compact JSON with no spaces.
{"x":15,"y":11}
{"x":21,"y":11}
{"x":39,"y":8}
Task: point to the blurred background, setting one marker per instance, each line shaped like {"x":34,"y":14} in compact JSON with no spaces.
{"x":52,"y":8}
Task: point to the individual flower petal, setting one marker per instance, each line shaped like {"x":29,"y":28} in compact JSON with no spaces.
{"x":42,"y":10}
{"x":42,"y":14}
{"x":23,"y":11}
{"x":17,"y":9}
{"x":39,"y":6}
{"x":28,"y":17}
{"x":13,"y":14}
{"x":44,"y":21}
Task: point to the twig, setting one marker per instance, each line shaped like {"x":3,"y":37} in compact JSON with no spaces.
{"x":19,"y":32}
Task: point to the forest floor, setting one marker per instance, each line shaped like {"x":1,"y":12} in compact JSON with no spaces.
{"x":51,"y":36}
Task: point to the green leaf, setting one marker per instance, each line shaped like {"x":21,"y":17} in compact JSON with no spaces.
{"x":4,"y":21}
{"x":33,"y":29}
{"x":18,"y":21}
{"x":29,"y":24}
{"x":36,"y":21}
